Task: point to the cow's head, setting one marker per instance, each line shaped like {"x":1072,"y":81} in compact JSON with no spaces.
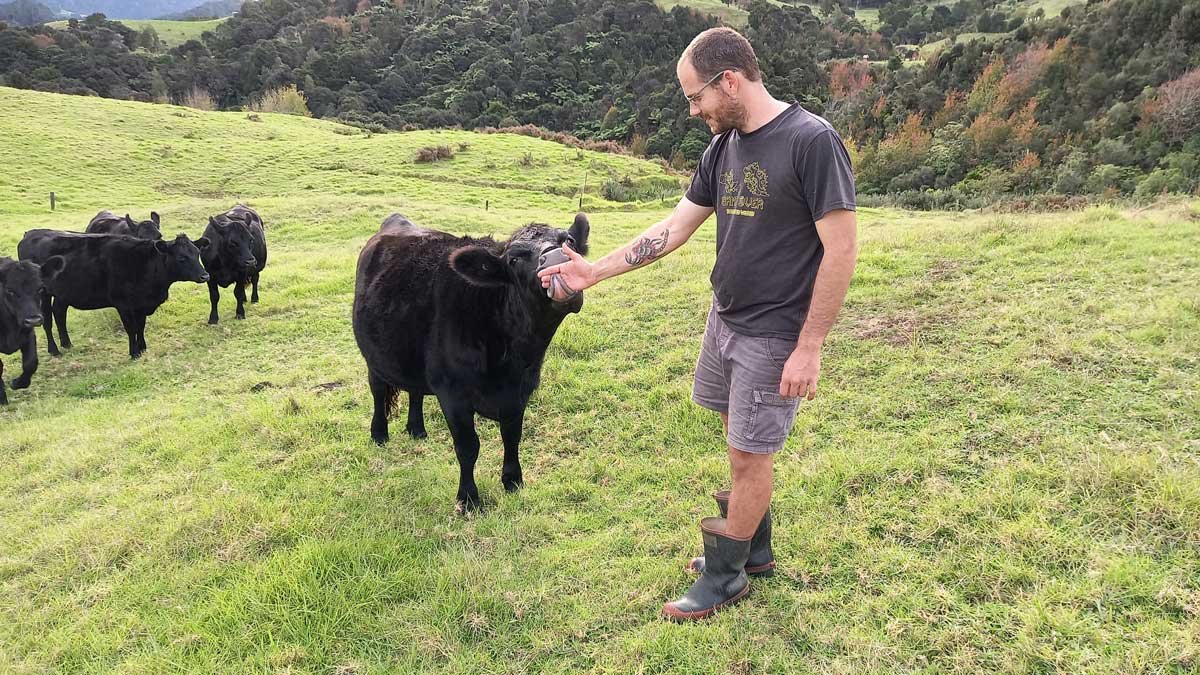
{"x":516,"y":263}
{"x":147,"y":229}
{"x":233,"y":243}
{"x":21,"y":286}
{"x":182,"y":258}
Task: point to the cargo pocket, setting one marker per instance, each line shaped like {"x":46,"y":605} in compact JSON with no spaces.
{"x":771,"y":417}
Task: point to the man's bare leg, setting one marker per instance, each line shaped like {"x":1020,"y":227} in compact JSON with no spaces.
{"x":751,"y":495}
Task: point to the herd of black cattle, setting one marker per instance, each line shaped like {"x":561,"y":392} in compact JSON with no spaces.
{"x":463,"y":319}
{"x":119,"y":263}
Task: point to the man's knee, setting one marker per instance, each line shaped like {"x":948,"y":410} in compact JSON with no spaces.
{"x":748,"y":462}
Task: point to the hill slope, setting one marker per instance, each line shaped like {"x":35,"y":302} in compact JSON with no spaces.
{"x":998,"y":475}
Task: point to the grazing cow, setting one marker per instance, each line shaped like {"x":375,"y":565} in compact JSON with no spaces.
{"x":20,"y":312}
{"x":463,"y":319}
{"x":106,"y":270}
{"x":236,"y":254}
{"x":107,"y":222}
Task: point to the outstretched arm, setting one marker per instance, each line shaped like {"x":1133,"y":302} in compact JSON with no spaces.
{"x":657,"y":241}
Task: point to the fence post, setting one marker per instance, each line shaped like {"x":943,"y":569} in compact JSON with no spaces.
{"x":485,"y":205}
{"x":51,"y":201}
{"x":583,"y":189}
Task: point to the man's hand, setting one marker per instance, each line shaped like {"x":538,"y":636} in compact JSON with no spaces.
{"x":800,"y":373}
{"x":577,"y":274}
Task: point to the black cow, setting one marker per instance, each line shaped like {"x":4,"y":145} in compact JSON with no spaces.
{"x":463,"y":319}
{"x":236,"y":255}
{"x":20,"y":312}
{"x":107,"y":222}
{"x":109,"y":270}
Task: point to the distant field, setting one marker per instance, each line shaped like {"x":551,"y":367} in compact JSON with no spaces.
{"x":172,"y":33}
{"x":999,"y":474}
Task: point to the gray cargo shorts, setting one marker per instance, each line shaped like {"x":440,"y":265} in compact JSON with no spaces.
{"x":739,"y":375}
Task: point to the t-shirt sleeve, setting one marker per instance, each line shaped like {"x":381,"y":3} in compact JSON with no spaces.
{"x":826,"y":176}
{"x":701,"y":192}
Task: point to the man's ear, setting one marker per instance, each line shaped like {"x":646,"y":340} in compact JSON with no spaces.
{"x":479,"y":266}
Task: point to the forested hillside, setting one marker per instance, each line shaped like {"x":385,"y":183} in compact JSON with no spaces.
{"x":944,"y":104}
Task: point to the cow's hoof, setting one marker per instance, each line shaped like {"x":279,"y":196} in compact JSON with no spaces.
{"x":465,"y":507}
{"x":54,"y":352}
{"x":20,"y":383}
{"x":3,"y":400}
{"x":65,"y":344}
{"x":512,"y":485}
{"x":212,"y":320}
{"x":380,"y":439}
{"x":417,"y":433}
{"x":135,"y":355}
{"x":239,"y":317}
{"x":254,"y":300}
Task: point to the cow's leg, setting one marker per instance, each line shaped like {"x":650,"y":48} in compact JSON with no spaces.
{"x":510,"y":431}
{"x":48,"y":325}
{"x":130,"y":331}
{"x":60,"y":318}
{"x":460,"y":417}
{"x":239,"y":292}
{"x":139,"y":320}
{"x":383,"y":395}
{"x":214,"y":297}
{"x":29,"y":362}
{"x":416,"y":415}
{"x":3,"y":393}
{"x":254,"y":289}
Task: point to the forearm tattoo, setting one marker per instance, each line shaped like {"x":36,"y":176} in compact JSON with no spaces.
{"x":647,"y":249}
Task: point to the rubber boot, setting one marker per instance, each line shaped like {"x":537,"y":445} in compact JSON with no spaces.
{"x":762,"y":561}
{"x":724,"y":580}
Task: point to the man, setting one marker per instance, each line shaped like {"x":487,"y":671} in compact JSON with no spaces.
{"x":780,"y":181}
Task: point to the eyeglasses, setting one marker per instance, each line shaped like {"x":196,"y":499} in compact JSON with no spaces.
{"x":694,"y":98}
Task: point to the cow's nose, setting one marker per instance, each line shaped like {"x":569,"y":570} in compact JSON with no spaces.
{"x":250,"y":262}
{"x":204,"y":277}
{"x":35,"y":320}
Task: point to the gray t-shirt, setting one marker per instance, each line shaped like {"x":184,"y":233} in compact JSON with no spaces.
{"x":769,"y":187}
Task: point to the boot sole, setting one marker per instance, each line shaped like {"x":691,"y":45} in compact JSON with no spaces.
{"x":680,"y":617}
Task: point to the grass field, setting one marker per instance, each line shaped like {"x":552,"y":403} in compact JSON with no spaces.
{"x":1000,"y":473}
{"x":172,"y":33}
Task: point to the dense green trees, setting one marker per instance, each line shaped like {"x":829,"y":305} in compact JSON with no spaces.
{"x":1104,"y":98}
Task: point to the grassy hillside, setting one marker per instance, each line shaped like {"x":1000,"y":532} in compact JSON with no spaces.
{"x":1000,"y":473}
{"x":172,"y":33}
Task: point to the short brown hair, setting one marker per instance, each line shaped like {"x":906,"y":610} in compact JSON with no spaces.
{"x":719,"y":49}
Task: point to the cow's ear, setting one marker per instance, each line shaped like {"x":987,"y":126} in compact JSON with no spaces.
{"x":202,"y":243}
{"x":130,"y":221}
{"x":154,"y":217}
{"x":53,"y":265}
{"x":580,"y":231}
{"x":479,"y":266}
{"x":162,"y":246}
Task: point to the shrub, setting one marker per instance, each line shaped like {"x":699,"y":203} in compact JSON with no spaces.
{"x":1107,"y":178}
{"x":198,"y":98}
{"x":286,"y":100}
{"x":434,"y":153}
{"x":1160,"y":181}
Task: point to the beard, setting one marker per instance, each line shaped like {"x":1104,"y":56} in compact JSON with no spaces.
{"x":730,"y":114}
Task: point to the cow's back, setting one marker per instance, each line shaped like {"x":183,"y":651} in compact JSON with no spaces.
{"x":102,"y":270}
{"x":107,"y":222}
{"x":394,"y":300}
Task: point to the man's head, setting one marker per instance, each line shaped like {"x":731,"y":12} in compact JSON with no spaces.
{"x":716,"y":71}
